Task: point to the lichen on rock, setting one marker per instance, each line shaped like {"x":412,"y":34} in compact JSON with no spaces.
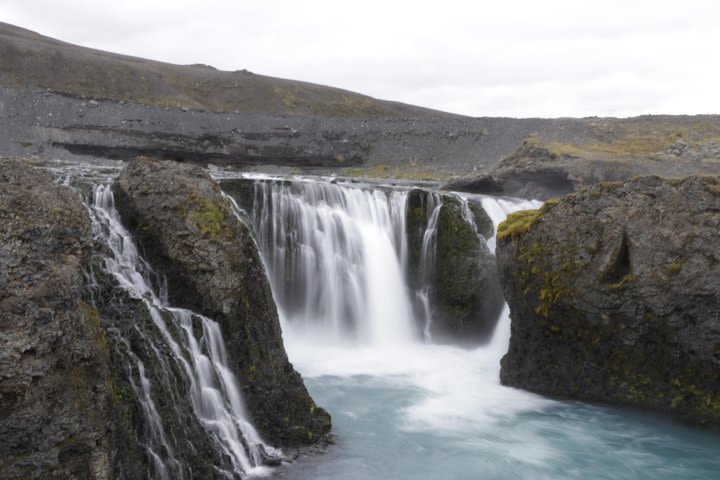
{"x":57,"y":418}
{"x":465,"y":294}
{"x":613,"y":296}
{"x":212,"y":264}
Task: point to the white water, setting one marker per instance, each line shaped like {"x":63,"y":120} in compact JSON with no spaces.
{"x":213,"y":389}
{"x":336,"y":258}
{"x":428,"y":257}
{"x":341,"y":239}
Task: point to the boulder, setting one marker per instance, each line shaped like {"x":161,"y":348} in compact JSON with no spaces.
{"x":190,"y":234}
{"x":464,"y":290}
{"x":614,"y":296}
{"x":57,"y":414}
{"x":468,"y":299}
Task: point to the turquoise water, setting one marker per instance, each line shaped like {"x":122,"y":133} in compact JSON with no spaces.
{"x":375,"y":439}
{"x":405,"y":409}
{"x":432,"y":412}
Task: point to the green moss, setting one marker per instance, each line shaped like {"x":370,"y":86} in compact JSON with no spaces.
{"x":517,"y":224}
{"x":210,"y":217}
{"x":116,"y":394}
{"x":623,"y":282}
{"x":632,"y":386}
{"x":609,"y":186}
{"x":689,"y":396}
{"x":674,"y":268}
{"x":95,"y":326}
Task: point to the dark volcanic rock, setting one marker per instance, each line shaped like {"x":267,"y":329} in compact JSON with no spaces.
{"x":464,"y":289}
{"x":530,"y":172}
{"x":56,"y":410}
{"x":213,"y":266}
{"x":554,"y":169}
{"x":468,"y":297}
{"x":614,"y":296}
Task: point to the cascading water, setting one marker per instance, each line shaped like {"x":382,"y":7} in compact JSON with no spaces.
{"x":335,"y":256}
{"x":410,"y":409}
{"x":191,"y":346}
{"x":428,"y":255}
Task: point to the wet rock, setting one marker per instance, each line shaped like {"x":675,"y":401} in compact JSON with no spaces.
{"x":468,"y":297}
{"x":464,"y":289}
{"x":613,"y":293}
{"x":158,"y":200}
{"x":56,"y":413}
{"x":132,"y":337}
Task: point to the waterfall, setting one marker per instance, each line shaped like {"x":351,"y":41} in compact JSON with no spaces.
{"x":428,"y":256}
{"x":191,"y":345}
{"x":498,"y":209}
{"x":336,"y":256}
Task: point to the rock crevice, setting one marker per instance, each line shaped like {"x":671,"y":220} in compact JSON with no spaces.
{"x":614,"y":296}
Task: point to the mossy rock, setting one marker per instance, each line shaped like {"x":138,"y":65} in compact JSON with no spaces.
{"x":612,"y":295}
{"x":467,"y":292}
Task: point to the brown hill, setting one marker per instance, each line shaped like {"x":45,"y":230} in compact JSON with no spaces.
{"x":28,"y":59}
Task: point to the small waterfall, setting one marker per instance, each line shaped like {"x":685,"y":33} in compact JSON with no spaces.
{"x":428,"y":255}
{"x":191,"y":346}
{"x":336,"y":256}
{"x":498,"y":210}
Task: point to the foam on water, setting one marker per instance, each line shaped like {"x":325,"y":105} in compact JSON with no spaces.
{"x":323,"y":231}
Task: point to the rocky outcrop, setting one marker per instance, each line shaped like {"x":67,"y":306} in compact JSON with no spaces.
{"x":533,"y":171}
{"x":57,"y":415}
{"x":464,"y":289}
{"x":212,"y":265}
{"x":615,"y":151}
{"x":614,"y":296}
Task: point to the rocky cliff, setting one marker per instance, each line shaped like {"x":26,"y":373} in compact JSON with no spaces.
{"x":614,"y":296}
{"x":191,"y":235}
{"x":57,"y":413}
{"x":552,"y":162}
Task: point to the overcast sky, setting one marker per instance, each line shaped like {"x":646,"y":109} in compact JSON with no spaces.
{"x":482,"y":58}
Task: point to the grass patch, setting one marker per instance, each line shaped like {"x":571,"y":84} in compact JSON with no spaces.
{"x":210,"y":219}
{"x":518,"y":223}
{"x":674,"y":268}
{"x":623,"y":282}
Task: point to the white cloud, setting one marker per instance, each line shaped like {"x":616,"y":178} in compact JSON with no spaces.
{"x":511,"y":58}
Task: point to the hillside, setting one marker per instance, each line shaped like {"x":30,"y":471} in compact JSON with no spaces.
{"x":28,"y":59}
{"x":64,"y":101}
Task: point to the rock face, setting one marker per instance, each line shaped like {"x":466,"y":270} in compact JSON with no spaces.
{"x":614,"y":296}
{"x":57,"y":416}
{"x":464,"y":287}
{"x":615,"y":150}
{"x":212,"y":264}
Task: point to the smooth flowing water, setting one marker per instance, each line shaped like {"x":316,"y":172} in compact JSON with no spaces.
{"x":196,"y":350}
{"x":404,"y":408}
